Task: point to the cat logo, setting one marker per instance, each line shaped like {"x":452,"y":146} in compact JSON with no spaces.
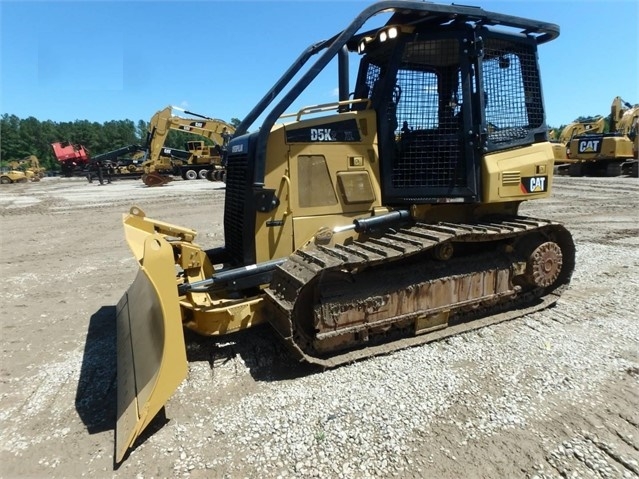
{"x":198,"y":124}
{"x":589,"y":145}
{"x":534,"y":184}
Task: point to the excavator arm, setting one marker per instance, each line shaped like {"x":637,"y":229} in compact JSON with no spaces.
{"x":577,"y":128}
{"x":627,"y":123}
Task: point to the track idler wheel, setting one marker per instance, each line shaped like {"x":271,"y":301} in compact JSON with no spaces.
{"x":544,"y":264}
{"x":443,"y":251}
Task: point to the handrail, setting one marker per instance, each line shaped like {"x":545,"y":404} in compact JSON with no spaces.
{"x":308,"y":110}
{"x":287,"y":180}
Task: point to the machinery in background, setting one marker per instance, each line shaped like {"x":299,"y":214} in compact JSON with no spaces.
{"x":560,"y":146}
{"x":73,"y":159}
{"x":381,"y":221}
{"x":607,"y":153}
{"x":32,"y":168}
{"x":21,"y":171}
{"x":12,"y":174}
{"x":201,"y":157}
{"x":152,"y":161}
{"x":125,"y":162}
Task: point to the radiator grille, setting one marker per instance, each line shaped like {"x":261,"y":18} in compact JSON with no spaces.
{"x":237,"y":188}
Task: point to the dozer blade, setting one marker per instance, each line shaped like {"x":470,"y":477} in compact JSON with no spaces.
{"x":151,"y":357}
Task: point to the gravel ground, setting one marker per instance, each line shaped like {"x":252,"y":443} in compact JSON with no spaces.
{"x":552,"y":395}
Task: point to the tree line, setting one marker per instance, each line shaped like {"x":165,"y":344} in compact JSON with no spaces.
{"x":22,"y":137}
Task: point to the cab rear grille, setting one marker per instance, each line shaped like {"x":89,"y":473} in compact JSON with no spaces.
{"x":510,"y":178}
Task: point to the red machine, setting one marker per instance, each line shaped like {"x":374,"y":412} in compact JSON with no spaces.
{"x":72,"y":157}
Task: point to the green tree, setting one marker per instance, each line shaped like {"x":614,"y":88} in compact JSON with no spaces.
{"x":142,"y":129}
{"x":10,"y":142}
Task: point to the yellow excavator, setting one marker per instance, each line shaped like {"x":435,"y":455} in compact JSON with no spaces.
{"x":32,"y":168}
{"x":194,"y":164}
{"x":608,"y":153}
{"x":381,"y":221}
{"x":561,"y":146}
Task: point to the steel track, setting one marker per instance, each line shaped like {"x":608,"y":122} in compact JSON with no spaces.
{"x":306,"y":265}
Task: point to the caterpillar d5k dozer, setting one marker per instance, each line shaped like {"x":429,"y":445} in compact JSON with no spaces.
{"x":384,"y":220}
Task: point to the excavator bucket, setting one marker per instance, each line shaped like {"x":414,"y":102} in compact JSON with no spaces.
{"x":151,"y":356}
{"x":155,"y":179}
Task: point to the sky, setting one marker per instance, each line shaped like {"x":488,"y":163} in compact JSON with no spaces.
{"x":115,"y":60}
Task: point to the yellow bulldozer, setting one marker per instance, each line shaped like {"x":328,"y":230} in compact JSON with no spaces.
{"x":383,"y":220}
{"x":12,"y":175}
{"x":22,"y":171}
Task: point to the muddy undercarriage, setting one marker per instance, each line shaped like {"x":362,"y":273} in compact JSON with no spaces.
{"x":337,"y":304}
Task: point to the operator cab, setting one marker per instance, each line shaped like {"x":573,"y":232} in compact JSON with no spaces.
{"x":445,"y":97}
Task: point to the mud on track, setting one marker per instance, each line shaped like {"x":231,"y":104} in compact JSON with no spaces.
{"x":553,"y":394}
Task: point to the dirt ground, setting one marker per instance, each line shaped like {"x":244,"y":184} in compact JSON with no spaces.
{"x":555,"y":394}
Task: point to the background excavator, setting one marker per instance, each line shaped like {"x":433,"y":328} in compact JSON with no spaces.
{"x":561,"y":145}
{"x":598,"y":152}
{"x":381,"y":221}
{"x":32,"y":168}
{"x":201,"y":158}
